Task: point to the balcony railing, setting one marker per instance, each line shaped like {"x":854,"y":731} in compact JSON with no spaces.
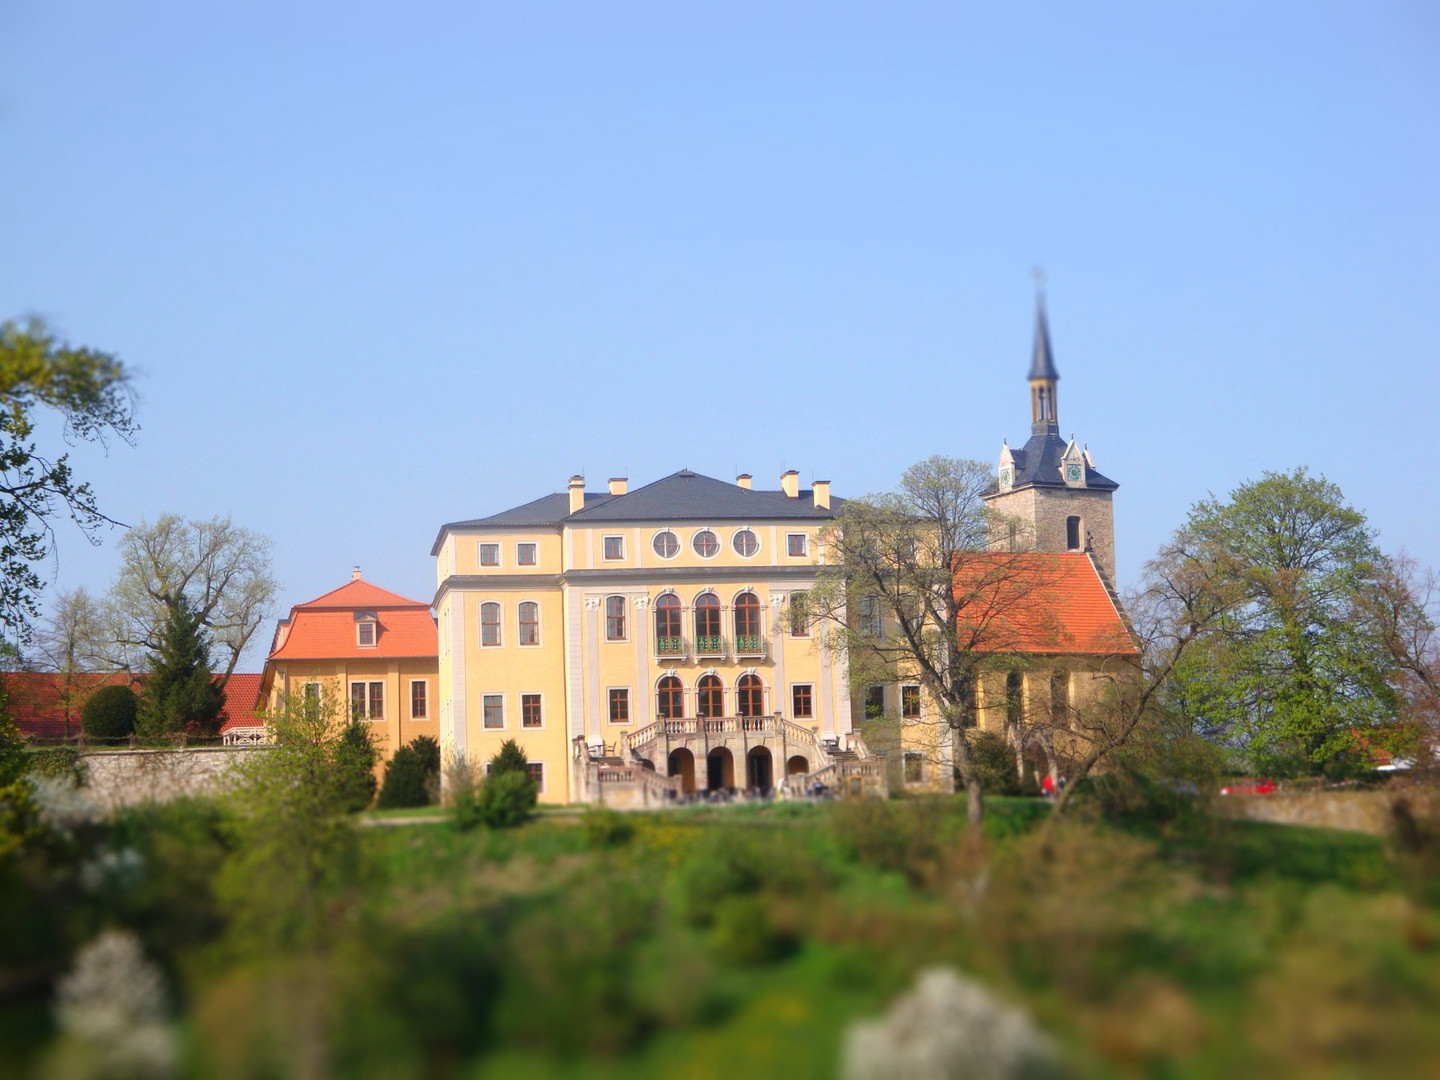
{"x":749,"y":645}
{"x":709,"y":646}
{"x":671,"y":647}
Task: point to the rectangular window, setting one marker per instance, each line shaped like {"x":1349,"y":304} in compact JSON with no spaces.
{"x":524,"y":554}
{"x":871,"y":624}
{"x":796,"y":545}
{"x":536,"y":769}
{"x":530,"y":716}
{"x":367,"y":700}
{"x":910,"y":702}
{"x":492,"y":708}
{"x":614,"y":547}
{"x":417,"y":700}
{"x":365,"y":634}
{"x":489,"y":554}
{"x":619,"y":706}
{"x":874,"y":702}
{"x":1060,"y":699}
{"x":914,"y":768}
{"x":799,"y":614}
{"x":614,"y":618}
{"x":802,"y":701}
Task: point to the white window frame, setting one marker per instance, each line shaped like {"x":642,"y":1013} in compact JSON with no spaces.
{"x":655,"y":542}
{"x":629,"y":720}
{"x":804,"y":551}
{"x":480,"y":554}
{"x":735,"y":541}
{"x":624,"y":615}
{"x":795,"y":716}
{"x":695,"y":543}
{"x":520,"y":641}
{"x":499,"y":625}
{"x":374,"y":626}
{"x":367,"y":699}
{"x":484,"y":702}
{"x":534,"y":553}
{"x":425,"y":683}
{"x":605,"y":541}
{"x":919,"y":762}
{"x":536,"y":694}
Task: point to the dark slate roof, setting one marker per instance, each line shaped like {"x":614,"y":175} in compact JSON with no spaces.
{"x":681,"y":496}
{"x":689,"y":496}
{"x":1038,"y":465}
{"x":1043,"y":364}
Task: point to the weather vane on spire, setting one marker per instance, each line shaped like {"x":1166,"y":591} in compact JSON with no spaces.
{"x":1038,"y":273}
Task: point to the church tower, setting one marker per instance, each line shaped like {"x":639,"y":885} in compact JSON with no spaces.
{"x":1049,"y":493}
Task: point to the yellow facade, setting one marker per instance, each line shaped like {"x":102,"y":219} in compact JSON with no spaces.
{"x":563,"y":633}
{"x":396,"y":723}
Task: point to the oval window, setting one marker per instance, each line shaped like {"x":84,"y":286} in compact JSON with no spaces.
{"x":705,"y":544}
{"x":665,"y":544}
{"x":746,"y":543}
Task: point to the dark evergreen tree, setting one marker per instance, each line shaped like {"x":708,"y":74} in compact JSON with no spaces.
{"x":511,"y":758}
{"x":412,"y":775}
{"x":110,"y":712}
{"x":355,"y":758}
{"x":180,"y":692}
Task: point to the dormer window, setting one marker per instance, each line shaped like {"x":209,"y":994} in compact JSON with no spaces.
{"x":366,"y":630}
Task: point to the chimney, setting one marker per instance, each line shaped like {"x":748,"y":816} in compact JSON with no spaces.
{"x":743,"y":480}
{"x":619,"y":485}
{"x":355,"y":574}
{"x":790,"y":483}
{"x":821,"y":489}
{"x":577,"y":494}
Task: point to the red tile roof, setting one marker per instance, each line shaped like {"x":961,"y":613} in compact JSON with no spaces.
{"x":36,"y":699}
{"x":324,"y":628}
{"x":1038,"y":602}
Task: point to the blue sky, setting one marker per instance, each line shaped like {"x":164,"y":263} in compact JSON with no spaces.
{"x":382,"y":269}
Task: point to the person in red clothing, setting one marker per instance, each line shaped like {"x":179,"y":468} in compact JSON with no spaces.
{"x":1047,"y":786}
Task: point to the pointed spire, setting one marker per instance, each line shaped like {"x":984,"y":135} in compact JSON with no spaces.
{"x":1043,"y":366}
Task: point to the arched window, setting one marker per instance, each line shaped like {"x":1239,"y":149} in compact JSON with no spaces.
{"x":1060,"y":698}
{"x":668,"y":640}
{"x":707,"y":623}
{"x":709,"y":696}
{"x":1072,"y":533}
{"x":670,"y":698}
{"x":529,"y":623}
{"x":489,"y":624}
{"x":747,"y":623}
{"x":749,"y":696}
{"x":614,"y":618}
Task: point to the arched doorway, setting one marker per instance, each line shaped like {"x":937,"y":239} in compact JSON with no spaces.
{"x":759,"y":769}
{"x":682,"y":764}
{"x":719,"y":769}
{"x":798,"y":765}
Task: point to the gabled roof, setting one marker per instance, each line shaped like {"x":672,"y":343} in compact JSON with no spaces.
{"x":1038,"y":602}
{"x":36,"y":699}
{"x":681,"y":496}
{"x":324,"y":628}
{"x":1037,"y":464}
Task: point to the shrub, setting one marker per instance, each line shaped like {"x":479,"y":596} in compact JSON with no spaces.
{"x":994,"y":760}
{"x":59,"y":763}
{"x":110,"y":713}
{"x":409,"y":777}
{"x":511,"y":758}
{"x":505,"y":799}
{"x":355,"y":757}
{"x":607,"y":828}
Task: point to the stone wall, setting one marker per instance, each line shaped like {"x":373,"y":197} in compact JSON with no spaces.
{"x":118,"y":778}
{"x":1354,"y":811}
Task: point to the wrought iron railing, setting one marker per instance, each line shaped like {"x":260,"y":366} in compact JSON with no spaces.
{"x":749,"y":645}
{"x":670,"y":646}
{"x":709,"y":646}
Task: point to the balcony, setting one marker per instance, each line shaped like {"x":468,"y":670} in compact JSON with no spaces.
{"x":709,"y":646}
{"x":750,"y":645}
{"x":671,"y":648}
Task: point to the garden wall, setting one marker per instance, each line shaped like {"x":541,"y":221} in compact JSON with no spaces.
{"x":125,"y":777}
{"x":1355,"y":811}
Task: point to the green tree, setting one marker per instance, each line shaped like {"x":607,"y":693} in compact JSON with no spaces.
{"x":355,"y":760}
{"x":910,"y":589}
{"x":510,"y":758}
{"x":110,"y":713}
{"x":180,"y":692}
{"x":91,"y":392}
{"x":412,"y":776}
{"x":1297,"y":669}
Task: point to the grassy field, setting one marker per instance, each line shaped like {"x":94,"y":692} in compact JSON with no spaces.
{"x":742,"y":941}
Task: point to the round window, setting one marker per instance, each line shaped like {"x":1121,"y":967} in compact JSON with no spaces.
{"x":746,"y":543}
{"x":705,"y":544}
{"x":665,"y":545}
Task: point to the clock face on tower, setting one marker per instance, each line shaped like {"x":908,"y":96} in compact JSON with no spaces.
{"x":1072,"y":473}
{"x":1004,"y":477}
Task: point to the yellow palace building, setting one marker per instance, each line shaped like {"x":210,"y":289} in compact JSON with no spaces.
{"x":645,"y":645}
